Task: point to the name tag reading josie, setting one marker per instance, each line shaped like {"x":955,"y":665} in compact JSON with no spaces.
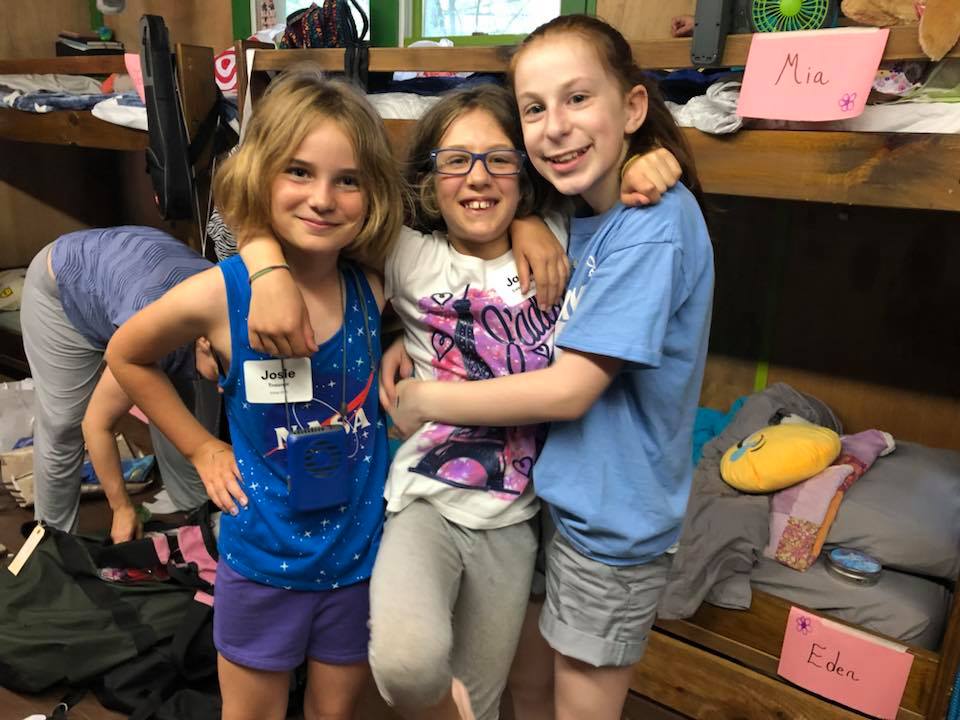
{"x":270,"y":381}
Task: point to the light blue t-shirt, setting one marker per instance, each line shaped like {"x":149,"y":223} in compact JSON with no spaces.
{"x":618,"y":478}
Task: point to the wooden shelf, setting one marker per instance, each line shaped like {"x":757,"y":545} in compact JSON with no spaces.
{"x":882,"y":169}
{"x":479,"y":59}
{"x":69,"y":127}
{"x":903,"y":44}
{"x":74,"y":65}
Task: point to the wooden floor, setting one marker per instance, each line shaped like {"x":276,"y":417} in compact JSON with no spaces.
{"x":95,"y":517}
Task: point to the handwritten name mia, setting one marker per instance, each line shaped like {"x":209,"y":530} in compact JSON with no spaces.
{"x":813,"y":77}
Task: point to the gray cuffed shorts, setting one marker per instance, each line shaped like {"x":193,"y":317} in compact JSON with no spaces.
{"x":596,"y":613}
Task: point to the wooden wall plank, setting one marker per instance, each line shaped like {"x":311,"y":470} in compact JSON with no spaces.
{"x":644,"y":20}
{"x":927,"y":418}
{"x":48,"y":190}
{"x":194,"y":22}
{"x":29,"y":29}
{"x":93,"y":65}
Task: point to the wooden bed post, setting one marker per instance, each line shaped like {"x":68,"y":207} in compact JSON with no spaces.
{"x":949,"y":662}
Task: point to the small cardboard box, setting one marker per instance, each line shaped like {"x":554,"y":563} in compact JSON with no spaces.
{"x":16,"y":473}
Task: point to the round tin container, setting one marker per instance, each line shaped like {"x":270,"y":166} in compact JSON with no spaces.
{"x":854,"y":566}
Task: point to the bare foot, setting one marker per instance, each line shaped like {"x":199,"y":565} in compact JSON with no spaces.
{"x":462,"y":700}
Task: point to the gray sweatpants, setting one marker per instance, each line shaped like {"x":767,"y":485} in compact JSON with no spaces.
{"x":66,"y":368}
{"x":447,"y":601}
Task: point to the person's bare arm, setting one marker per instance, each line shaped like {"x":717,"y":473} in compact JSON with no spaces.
{"x":107,"y":405}
{"x":647,"y":177}
{"x":193,"y":308}
{"x":278,"y":321}
{"x":539,"y":254}
{"x":563,"y":391}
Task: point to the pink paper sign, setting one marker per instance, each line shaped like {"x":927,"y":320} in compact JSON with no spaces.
{"x":811,"y":74}
{"x":851,"y":667}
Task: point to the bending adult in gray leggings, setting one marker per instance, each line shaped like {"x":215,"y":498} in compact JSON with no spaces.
{"x":77,"y":291}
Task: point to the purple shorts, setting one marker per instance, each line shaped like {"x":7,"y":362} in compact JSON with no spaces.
{"x":269,"y":628}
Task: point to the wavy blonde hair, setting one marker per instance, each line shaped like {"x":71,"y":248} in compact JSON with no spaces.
{"x":295,"y":102}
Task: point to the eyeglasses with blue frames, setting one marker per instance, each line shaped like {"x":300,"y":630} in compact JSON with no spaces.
{"x":450,"y":161}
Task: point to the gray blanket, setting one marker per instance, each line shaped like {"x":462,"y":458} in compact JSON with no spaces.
{"x":724,"y":531}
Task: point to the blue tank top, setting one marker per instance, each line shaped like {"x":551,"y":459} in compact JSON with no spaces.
{"x":270,"y":542}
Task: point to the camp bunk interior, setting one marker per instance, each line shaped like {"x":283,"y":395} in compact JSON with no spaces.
{"x":833,"y":254}
{"x":67,"y":169}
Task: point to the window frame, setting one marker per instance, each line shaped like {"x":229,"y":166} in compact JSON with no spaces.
{"x":385,"y":23}
{"x":415,"y":30}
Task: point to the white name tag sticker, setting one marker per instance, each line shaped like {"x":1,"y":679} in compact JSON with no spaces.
{"x":270,"y":381}
{"x":506,"y":282}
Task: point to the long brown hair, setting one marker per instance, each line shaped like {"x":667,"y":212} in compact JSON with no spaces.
{"x":293,"y":105}
{"x":429,"y":131}
{"x":659,"y":129}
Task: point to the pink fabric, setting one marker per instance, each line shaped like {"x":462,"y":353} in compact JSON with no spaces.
{"x":797,"y":513}
{"x":193,"y":550}
{"x":162,"y":547}
{"x":132,"y":61}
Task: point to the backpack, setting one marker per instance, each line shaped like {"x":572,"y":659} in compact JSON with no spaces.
{"x":176,"y":679}
{"x":79,"y":608}
{"x":332,"y":26}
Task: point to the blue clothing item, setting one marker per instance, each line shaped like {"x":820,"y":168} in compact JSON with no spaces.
{"x":45,"y":101}
{"x":618,"y":478}
{"x":106,"y":275}
{"x":271,"y":542}
{"x":710,"y":423}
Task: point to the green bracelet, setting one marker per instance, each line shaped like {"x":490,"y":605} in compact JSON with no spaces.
{"x":269,"y":268}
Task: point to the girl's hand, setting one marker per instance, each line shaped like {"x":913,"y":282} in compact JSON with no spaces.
{"x":126,"y":525}
{"x":538,"y":253}
{"x":404,"y":413}
{"x":220,"y":475}
{"x":394,"y":365}
{"x":279,"y":323}
{"x":648,"y":176}
{"x":682,"y":25}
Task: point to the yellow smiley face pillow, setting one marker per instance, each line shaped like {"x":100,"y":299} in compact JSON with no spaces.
{"x":779,"y":456}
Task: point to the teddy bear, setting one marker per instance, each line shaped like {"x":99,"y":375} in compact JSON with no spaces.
{"x":939,"y":20}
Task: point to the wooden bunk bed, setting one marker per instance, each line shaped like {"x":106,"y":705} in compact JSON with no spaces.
{"x":79,"y":128}
{"x":723,"y":663}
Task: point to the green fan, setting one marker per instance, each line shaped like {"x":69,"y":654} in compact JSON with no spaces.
{"x":786,"y":15}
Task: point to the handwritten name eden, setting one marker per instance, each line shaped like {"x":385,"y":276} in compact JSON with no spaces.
{"x":792,"y":61}
{"x":818,"y":659}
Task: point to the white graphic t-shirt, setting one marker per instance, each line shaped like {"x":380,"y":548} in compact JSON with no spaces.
{"x":466,"y":319}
